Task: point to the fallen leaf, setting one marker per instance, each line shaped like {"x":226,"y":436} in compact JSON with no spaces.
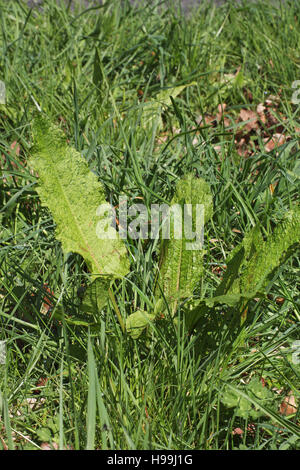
{"x":5,"y":447}
{"x":48,"y":446}
{"x":47,"y":304}
{"x":288,"y":405}
{"x":41,"y":383}
{"x":260,"y":108}
{"x":275,"y":141}
{"x":251,"y":116}
{"x":16,"y":147}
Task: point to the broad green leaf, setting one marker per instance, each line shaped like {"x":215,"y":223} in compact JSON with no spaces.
{"x":266,"y":410}
{"x":271,"y":254}
{"x":244,"y":407}
{"x":73,"y":195}
{"x":181,"y":268}
{"x":137,"y":322}
{"x":252,"y":265}
{"x":164,"y":96}
{"x":44,"y":434}
{"x":228,"y":299}
{"x":60,"y":316}
{"x":96,"y":295}
{"x":154,"y":107}
{"x":238,"y":258}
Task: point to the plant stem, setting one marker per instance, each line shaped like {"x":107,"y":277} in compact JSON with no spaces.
{"x":113,"y":299}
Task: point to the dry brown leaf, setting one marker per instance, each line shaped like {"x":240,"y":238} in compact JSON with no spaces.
{"x":221,"y":108}
{"x":251,"y":116}
{"x":5,"y":447}
{"x":260,"y":108}
{"x":207,"y":119}
{"x":48,"y":446}
{"x":16,"y":147}
{"x":275,"y":141}
{"x":272,"y":119}
{"x":288,"y":405}
{"x":273,"y":99}
{"x":53,"y":446}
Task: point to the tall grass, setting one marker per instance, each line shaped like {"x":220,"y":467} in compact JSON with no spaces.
{"x":93,"y":72}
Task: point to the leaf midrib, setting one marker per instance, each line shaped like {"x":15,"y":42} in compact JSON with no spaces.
{"x":77,"y":225}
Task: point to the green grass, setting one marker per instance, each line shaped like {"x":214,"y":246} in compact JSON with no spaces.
{"x":165,"y":390}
